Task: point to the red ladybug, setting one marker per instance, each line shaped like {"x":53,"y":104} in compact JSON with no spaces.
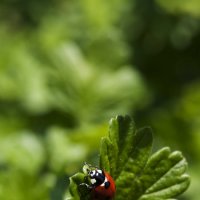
{"x":102,"y":184}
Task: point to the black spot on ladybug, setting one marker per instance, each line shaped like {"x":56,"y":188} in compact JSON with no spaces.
{"x":107,"y":184}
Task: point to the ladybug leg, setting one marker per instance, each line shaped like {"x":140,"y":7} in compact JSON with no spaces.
{"x":89,"y":187}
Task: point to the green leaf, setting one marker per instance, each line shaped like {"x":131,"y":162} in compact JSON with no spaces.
{"x":164,"y":175}
{"x":75,"y":181}
{"x":125,"y":154}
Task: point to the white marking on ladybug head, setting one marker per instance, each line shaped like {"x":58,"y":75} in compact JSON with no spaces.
{"x":92,"y":173}
{"x":93,"y":181}
{"x":100,"y":171}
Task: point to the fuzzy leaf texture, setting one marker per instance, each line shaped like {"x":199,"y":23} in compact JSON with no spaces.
{"x":126,"y":154}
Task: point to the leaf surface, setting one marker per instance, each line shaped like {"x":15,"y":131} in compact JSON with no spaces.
{"x":126,"y":154}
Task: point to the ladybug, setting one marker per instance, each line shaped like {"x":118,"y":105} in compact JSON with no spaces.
{"x":102,"y":185}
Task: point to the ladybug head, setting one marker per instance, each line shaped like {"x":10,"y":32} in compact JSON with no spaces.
{"x":97,"y":176}
{"x":95,"y":173}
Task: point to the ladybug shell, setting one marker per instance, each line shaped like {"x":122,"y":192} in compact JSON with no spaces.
{"x":102,"y":193}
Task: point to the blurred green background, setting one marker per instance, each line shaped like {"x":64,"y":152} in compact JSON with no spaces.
{"x":67,"y":67}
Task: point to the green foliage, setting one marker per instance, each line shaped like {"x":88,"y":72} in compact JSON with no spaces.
{"x":22,"y":157}
{"x":59,"y":81}
{"x":192,"y":7}
{"x":125,"y":154}
{"x":67,"y":66}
